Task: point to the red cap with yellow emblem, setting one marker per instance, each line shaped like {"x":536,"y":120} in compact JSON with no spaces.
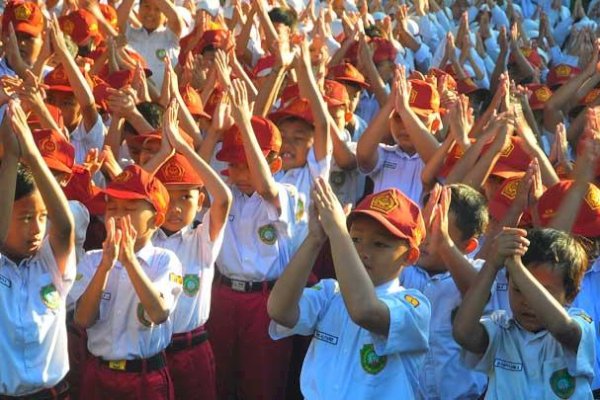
{"x":25,"y":16}
{"x":136,"y":184}
{"x":57,"y":80}
{"x":503,"y":199}
{"x":80,"y":25}
{"x":335,"y":94}
{"x":177,"y":170}
{"x":397,"y":213}
{"x":588,"y":220}
{"x":193,"y":101}
{"x":439,"y":74}
{"x":347,"y":73}
{"x":513,"y":160}
{"x":297,"y":108}
{"x":58,"y":154}
{"x":532,"y":56}
{"x":560,"y":74}
{"x":424,"y":98}
{"x":540,"y":94}
{"x":110,"y":15}
{"x":81,"y":188}
{"x":267,"y":135}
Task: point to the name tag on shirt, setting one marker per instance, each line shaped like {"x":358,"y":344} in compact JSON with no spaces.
{"x":502,"y":287}
{"x":391,"y":165}
{"x":105,"y":295}
{"x":5,"y":281}
{"x":325,"y":337}
{"x":509,"y":365}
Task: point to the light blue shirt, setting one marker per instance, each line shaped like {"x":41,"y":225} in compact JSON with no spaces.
{"x":345,"y":361}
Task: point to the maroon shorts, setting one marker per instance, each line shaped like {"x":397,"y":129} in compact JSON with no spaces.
{"x":192,"y":366}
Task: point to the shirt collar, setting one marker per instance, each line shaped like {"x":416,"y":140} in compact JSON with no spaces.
{"x":388,"y":287}
{"x":160,"y":234}
{"x":145,"y":253}
{"x":404,"y":154}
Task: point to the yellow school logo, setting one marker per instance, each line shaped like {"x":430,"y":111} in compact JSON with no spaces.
{"x":507,"y":150}
{"x":299,"y":209}
{"x":384,"y":202}
{"x":562,"y":384}
{"x":543,"y":94}
{"x":592,"y":197}
{"x":23,"y":12}
{"x":338,"y":178}
{"x":267,"y":234}
{"x":93,"y":27}
{"x":510,"y":189}
{"x":412,"y":300}
{"x":50,"y":296}
{"x":370,"y":361}
{"x":563,"y":71}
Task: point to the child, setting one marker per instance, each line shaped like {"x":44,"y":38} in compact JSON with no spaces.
{"x":443,"y":274}
{"x":546,"y":350}
{"x":370,"y":334}
{"x":189,"y":356}
{"x":126,"y":293}
{"x":36,"y":271}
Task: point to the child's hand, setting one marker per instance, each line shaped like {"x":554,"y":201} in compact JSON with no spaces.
{"x":171,"y":128}
{"x":315,"y":230}
{"x":222,"y":68}
{"x":428,"y":210}
{"x":239,"y":100}
{"x":18,"y":121}
{"x":440,"y":238}
{"x":508,"y":243}
{"x":524,"y":130}
{"x":9,"y":140}
{"x":403,"y":88}
{"x":57,"y":38}
{"x":111,"y":245}
{"x":110,"y":166}
{"x":140,"y":84}
{"x":127,"y":248}
{"x":331,"y":213}
{"x":94,"y":160}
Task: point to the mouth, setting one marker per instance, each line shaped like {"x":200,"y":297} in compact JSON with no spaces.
{"x":34,"y":244}
{"x":286,"y":155}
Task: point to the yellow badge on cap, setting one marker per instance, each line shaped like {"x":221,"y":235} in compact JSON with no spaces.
{"x":543,"y":94}
{"x":507,"y":150}
{"x":563,"y":70}
{"x":510,"y":190}
{"x":384,"y":202}
{"x":592,"y":198}
{"x":93,"y":27}
{"x":23,"y":12}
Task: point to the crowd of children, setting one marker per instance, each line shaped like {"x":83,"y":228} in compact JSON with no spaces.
{"x":286,"y":199}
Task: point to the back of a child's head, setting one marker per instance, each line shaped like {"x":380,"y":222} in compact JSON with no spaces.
{"x":283,"y":16}
{"x":559,"y":251}
{"x":25,"y":183}
{"x":152,"y":113}
{"x":470,"y":211}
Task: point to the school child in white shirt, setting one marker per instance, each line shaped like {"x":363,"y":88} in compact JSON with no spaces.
{"x":370,"y":334}
{"x":546,"y":350}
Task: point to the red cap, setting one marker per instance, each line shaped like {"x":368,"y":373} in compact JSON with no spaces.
{"x":397,"y":213}
{"x":467,"y":86}
{"x":217,"y":38}
{"x":267,"y":134}
{"x":456,"y":152}
{"x":298,"y":108}
{"x":110,"y":15}
{"x":80,"y":25}
{"x":81,"y":188}
{"x":335,"y":94}
{"x":177,"y":170}
{"x":264,"y":66}
{"x":588,"y":220}
{"x":590,"y":97}
{"x":383,"y":50}
{"x":424,"y":98}
{"x":57,"y":80}
{"x":193,"y":101}
{"x":289,"y":93}
{"x":54,"y":148}
{"x":347,"y":73}
{"x":25,"y":16}
{"x":503,"y":199}
{"x":540,"y":94}
{"x":213,"y":100}
{"x":513,"y":160}
{"x":34,"y":122}
{"x":438,"y":74}
{"x":560,"y":74}
{"x":532,"y":56}
{"x":136,"y":184}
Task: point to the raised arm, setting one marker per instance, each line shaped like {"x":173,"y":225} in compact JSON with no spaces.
{"x":367,"y":154}
{"x":123,"y":13}
{"x":8,"y":175}
{"x":174,"y":21}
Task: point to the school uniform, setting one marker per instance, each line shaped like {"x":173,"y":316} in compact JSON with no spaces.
{"x":587,"y":300}
{"x":526,"y":365}
{"x":347,"y":362}
{"x":189,"y":356}
{"x":128,"y":360}
{"x":444,"y":375}
{"x":33,"y":342}
{"x":154,"y":47}
{"x":397,"y":169}
{"x":84,"y":141}
{"x":256,"y":249}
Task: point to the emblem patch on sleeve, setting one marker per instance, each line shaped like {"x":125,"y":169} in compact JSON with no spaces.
{"x":412,"y":300}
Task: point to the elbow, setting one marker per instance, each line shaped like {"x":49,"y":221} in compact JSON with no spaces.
{"x":81,"y":321}
{"x":279,"y":316}
{"x":159,"y":316}
{"x":459,"y":332}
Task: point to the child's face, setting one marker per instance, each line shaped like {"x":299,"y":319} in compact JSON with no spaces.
{"x":184,"y":203}
{"x":354,"y":95}
{"x":386,"y":70}
{"x":27,"y":226}
{"x":69,"y":107}
{"x":338,"y":113}
{"x":149,"y":149}
{"x":400,"y":135}
{"x":430,"y":258}
{"x":141,"y":212}
{"x":29,"y":47}
{"x":150,"y":15}
{"x":239,"y":175}
{"x":297,"y":139}
{"x":382,"y":254}
{"x":549,"y":278}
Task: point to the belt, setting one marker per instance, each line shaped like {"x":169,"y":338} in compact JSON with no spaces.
{"x":153,"y":363}
{"x":245,"y":286}
{"x":59,"y":391}
{"x":182,"y":341}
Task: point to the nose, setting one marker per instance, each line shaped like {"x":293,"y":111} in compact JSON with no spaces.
{"x":37,"y":227}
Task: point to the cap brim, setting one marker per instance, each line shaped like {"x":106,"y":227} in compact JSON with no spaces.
{"x":198,"y":112}
{"x":60,"y":88}
{"x":277,"y":116}
{"x":507,"y":173}
{"x":352,"y":81}
{"x":235,"y":155}
{"x":28,"y":28}
{"x":56,"y":165}
{"x":387,"y":224}
{"x":124,"y":194}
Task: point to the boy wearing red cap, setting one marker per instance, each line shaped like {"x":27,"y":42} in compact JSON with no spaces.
{"x":36,"y":271}
{"x":256,"y":248}
{"x":370,"y":334}
{"x":126,"y":293}
{"x":412,"y":116}
{"x":189,"y":356}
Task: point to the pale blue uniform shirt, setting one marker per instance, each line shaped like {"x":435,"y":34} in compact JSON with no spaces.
{"x":345,"y":361}
{"x":33,"y":342}
{"x":444,"y":375}
{"x":526,"y":365}
{"x":588,"y":300}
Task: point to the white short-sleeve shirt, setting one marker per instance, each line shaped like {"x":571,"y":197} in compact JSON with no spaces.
{"x":123,"y":330}
{"x":345,"y":361}
{"x":84,"y":141}
{"x":33,"y":340}
{"x":197,"y":254}
{"x":526,"y":365}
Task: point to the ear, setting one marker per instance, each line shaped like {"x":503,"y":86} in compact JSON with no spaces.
{"x":276,"y":165}
{"x":412,"y":256}
{"x":201,"y":197}
{"x":471,"y":245}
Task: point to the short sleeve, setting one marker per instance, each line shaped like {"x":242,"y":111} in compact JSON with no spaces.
{"x":209,"y":248}
{"x":381,"y":155}
{"x":168,"y":281}
{"x":410,"y":314}
{"x":85,"y":272}
{"x":582,"y":363}
{"x":64,"y":281}
{"x":287,"y":204}
{"x":314,"y":301}
{"x":493,"y":327}
{"x":318,"y":169}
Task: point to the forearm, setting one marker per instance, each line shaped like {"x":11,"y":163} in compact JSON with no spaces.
{"x":343,"y":156}
{"x":123,"y":14}
{"x":434,"y":165}
{"x":174,"y":22}
{"x":88,"y":305}
{"x":567,"y":212}
{"x":366,"y":149}
{"x":139,"y":123}
{"x":477,"y":177}
{"x":425,"y":143}
{"x":187,"y":122}
{"x":151,"y":299}
{"x":498,"y":70}
{"x":237,"y":69}
{"x":285,"y":296}
{"x":8,"y":179}
{"x":81,"y":90}
{"x":462,"y":271}
{"x":156,"y":161}
{"x":46,"y":119}
{"x":207,"y":148}
{"x":377,"y":84}
{"x":113,"y":136}
{"x":338,"y":56}
{"x":268,"y":92}
{"x":549,"y":176}
{"x":465,"y":164}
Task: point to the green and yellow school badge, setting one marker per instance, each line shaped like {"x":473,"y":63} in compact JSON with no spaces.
{"x":142,"y":317}
{"x":562,"y":383}
{"x":267,"y":234}
{"x":50,"y":296}
{"x":161,"y":54}
{"x":191,"y":285}
{"x":337,"y":178}
{"x":370,"y":361}
{"x":299,"y":210}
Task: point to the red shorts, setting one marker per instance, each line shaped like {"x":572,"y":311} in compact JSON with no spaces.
{"x":192,"y":366}
{"x":101,"y":382}
{"x":77,"y":343}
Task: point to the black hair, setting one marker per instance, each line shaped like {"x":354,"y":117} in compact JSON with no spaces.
{"x":25,"y":184}
{"x":470,"y":211}
{"x":152,"y":113}
{"x":283,"y":16}
{"x":373,"y":31}
{"x":562,"y":252}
